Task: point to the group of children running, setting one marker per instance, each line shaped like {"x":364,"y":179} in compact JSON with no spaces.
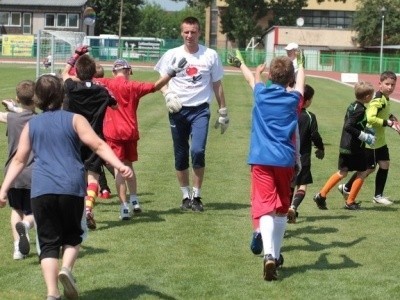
{"x":88,"y":121}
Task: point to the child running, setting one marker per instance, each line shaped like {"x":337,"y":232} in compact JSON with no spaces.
{"x":58,"y":181}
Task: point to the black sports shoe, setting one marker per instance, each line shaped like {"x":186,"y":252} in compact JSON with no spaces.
{"x":186,"y":204}
{"x":23,"y":243}
{"x":320,"y":201}
{"x":256,"y":245}
{"x":352,"y":206}
{"x":269,"y":268}
{"x":197,"y":205}
{"x":279,"y":262}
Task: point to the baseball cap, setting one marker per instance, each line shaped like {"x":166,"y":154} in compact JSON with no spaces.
{"x":291,"y":46}
{"x":120,"y":64}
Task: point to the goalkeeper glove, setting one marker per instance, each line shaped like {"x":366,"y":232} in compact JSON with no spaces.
{"x":235,"y":60}
{"x":172,"y":101}
{"x":222,"y":120}
{"x":319,"y":153}
{"x":175,"y":68}
{"x":367,"y":138}
{"x":301,"y":59}
{"x":79,"y":51}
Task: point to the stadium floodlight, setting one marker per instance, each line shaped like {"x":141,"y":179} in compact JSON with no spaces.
{"x":383,"y":10}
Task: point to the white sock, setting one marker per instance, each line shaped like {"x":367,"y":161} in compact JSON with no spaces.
{"x":267,"y":229}
{"x":133,"y":199}
{"x":277,"y":236}
{"x":196,"y":192}
{"x":185,"y":192}
{"x":27,"y":225}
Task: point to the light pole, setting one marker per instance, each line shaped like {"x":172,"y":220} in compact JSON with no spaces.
{"x":383,"y":10}
{"x":120,"y":29}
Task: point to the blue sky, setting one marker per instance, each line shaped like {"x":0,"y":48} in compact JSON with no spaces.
{"x":169,"y":5}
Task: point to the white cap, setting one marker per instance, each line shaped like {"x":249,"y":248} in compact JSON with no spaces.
{"x":291,"y":46}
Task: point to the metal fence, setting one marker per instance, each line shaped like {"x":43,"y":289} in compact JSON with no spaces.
{"x":344,"y":62}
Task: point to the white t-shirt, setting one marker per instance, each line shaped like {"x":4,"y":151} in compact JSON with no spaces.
{"x":193,"y":85}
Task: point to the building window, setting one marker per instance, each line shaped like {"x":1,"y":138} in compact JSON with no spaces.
{"x":27,"y":23}
{"x":10,"y":19}
{"x":50,"y":20}
{"x":15,"y":19}
{"x":62,"y":20}
{"x":325,"y":18}
{"x":73,"y":20}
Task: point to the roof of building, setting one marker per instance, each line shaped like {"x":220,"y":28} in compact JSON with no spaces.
{"x":44,"y":2}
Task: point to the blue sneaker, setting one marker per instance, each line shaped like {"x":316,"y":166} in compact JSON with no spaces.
{"x":256,"y":245}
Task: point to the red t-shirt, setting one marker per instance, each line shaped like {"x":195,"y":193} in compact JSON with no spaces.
{"x":121,"y":124}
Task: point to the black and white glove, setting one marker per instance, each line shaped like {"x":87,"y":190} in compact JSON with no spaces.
{"x":176,"y":67}
{"x":319,"y":153}
{"x":223,"y":120}
{"x":395,"y":125}
{"x":172,"y":102}
{"x":367,"y":138}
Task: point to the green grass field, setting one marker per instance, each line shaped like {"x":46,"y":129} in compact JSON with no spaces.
{"x":166,"y":254}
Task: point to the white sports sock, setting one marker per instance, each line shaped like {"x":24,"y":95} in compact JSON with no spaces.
{"x":277,"y":236}
{"x":133,"y":198}
{"x":185,"y":191}
{"x":196,"y":192}
{"x":267,"y":229}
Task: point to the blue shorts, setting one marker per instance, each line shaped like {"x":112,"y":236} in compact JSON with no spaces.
{"x":189,"y":128}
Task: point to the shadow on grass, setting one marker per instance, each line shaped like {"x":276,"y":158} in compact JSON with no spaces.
{"x":133,"y":291}
{"x":87,"y":250}
{"x":321,"y":264}
{"x":313,"y":246}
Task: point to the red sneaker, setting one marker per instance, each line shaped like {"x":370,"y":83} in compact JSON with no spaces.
{"x":105,"y":194}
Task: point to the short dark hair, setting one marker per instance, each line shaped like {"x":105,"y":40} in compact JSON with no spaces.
{"x":308,"y":92}
{"x":386,"y":75}
{"x":85,"y":67}
{"x":25,"y":91}
{"x":49,"y":92}
{"x":281,"y":70}
{"x":191,"y":21}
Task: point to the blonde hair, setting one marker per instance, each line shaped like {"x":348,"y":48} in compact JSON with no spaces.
{"x":363,"y":89}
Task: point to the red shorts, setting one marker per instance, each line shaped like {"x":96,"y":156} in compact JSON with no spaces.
{"x":270,"y":190}
{"x":124,"y":150}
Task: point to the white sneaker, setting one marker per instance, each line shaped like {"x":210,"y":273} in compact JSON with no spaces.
{"x":382,"y":200}
{"x":343,"y":191}
{"x":17,"y":254}
{"x":125,"y":214}
{"x":136,"y":207}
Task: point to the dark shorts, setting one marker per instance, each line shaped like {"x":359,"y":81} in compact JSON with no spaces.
{"x":189,"y":128}
{"x":352,"y":162}
{"x":20,"y":199}
{"x":375,"y":155}
{"x":91,"y":160}
{"x":304,"y":176}
{"x":58,"y":219}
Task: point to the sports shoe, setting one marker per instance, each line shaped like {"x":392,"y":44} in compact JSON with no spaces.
{"x":320,"y":201}
{"x":342,"y":189}
{"x":269,"y":268}
{"x":136,"y":207}
{"x":90,"y":221}
{"x":291,"y":216}
{"x":256,"y":245}
{"x":382,"y":200}
{"x":105,"y":194}
{"x":23,"y":244}
{"x":197,"y":205}
{"x":279,"y":262}
{"x":125,"y":214}
{"x":186,"y":204}
{"x":352,"y":206}
{"x":17,"y":255}
{"x":68,"y":282}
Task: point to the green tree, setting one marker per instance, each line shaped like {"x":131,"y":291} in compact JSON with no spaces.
{"x":108,"y":14}
{"x":368,"y":22}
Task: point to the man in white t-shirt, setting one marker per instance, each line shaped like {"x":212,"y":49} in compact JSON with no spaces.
{"x":291,"y":51}
{"x":188,"y":97}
